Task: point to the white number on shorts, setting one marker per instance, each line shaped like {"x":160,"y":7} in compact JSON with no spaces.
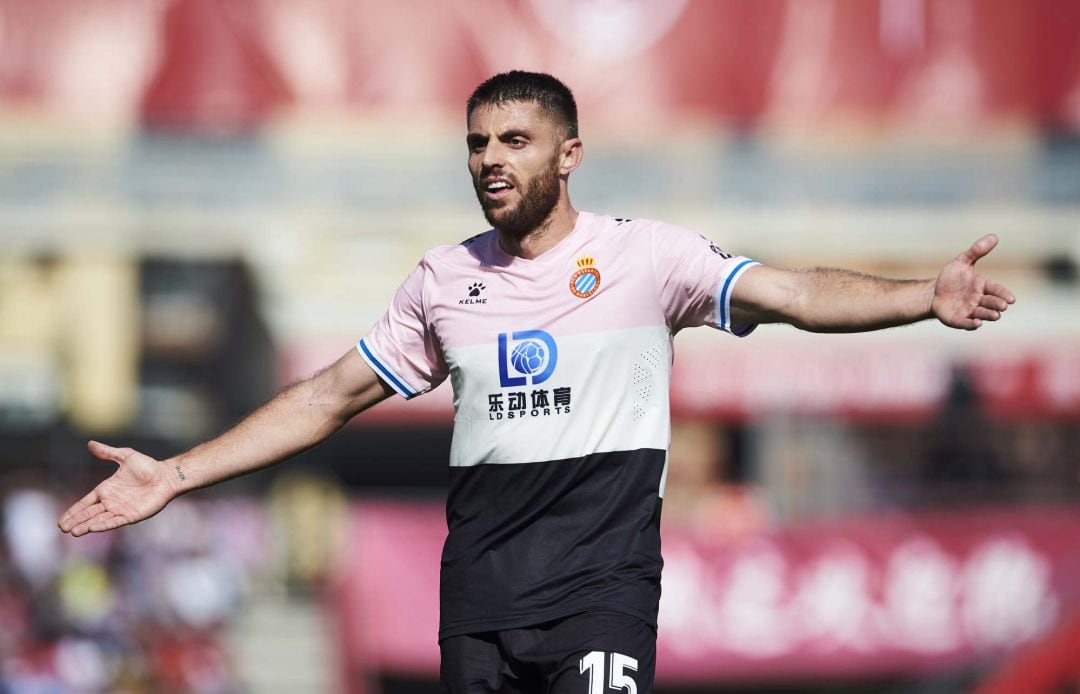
{"x":593,"y":663}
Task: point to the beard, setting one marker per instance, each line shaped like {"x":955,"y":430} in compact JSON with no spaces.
{"x":537,"y":201}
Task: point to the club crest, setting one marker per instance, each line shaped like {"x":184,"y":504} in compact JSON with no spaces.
{"x":586,"y":280}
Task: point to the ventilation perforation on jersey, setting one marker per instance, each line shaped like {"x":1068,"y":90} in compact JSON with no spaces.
{"x":643,"y":378}
{"x":655,"y":356}
{"x":642,"y":381}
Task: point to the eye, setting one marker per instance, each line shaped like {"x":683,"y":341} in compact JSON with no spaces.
{"x":518,"y":142}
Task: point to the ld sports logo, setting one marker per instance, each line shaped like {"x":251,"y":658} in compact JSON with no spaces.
{"x":526,"y":359}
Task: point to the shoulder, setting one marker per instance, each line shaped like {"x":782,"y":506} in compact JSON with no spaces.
{"x":622,"y":228}
{"x":631,"y":225}
{"x":481,"y":240}
{"x":471,"y":251}
{"x":644,"y":230}
{"x":609,"y":223}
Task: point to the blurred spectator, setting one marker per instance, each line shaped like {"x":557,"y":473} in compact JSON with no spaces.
{"x":961,"y":451}
{"x":144,"y":610}
{"x":309,"y":512}
{"x":706,"y":490}
{"x":1043,"y":458}
{"x":31,"y":537}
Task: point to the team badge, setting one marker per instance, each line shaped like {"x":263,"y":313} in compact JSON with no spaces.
{"x":586,"y":280}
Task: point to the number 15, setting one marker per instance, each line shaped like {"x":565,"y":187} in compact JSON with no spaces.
{"x":593,"y":663}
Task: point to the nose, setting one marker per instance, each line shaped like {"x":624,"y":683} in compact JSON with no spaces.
{"x":494,"y":155}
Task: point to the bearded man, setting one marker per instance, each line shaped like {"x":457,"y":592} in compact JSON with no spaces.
{"x":551,"y":568}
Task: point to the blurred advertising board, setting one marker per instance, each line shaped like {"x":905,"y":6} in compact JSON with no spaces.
{"x":874,"y":596}
{"x":887,"y":380}
{"x":212,"y":66}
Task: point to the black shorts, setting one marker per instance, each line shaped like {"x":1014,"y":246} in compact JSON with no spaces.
{"x":587,"y":653}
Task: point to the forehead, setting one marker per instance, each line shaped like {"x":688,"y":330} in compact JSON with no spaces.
{"x":512,"y":115}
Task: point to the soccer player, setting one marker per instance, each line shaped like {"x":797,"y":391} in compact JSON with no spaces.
{"x":555,"y":328}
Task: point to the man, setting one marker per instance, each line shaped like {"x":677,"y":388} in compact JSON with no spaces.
{"x":555,"y":328}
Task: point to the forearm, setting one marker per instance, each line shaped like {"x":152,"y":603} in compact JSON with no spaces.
{"x":288,"y":424}
{"x":830,"y":300}
{"x":298,"y":418}
{"x":843,"y":301}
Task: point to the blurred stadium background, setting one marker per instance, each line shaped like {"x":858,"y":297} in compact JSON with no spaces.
{"x":203,"y":200}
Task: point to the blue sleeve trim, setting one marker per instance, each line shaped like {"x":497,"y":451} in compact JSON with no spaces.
{"x":723,"y":300}
{"x":387,"y":374}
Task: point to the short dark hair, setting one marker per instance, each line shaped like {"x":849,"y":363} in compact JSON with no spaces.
{"x":550,"y":94}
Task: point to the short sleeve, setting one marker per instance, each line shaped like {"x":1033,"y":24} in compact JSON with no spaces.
{"x":696,"y":279}
{"x":401,"y":348}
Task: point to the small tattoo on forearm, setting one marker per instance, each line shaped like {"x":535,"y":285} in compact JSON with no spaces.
{"x":181,"y":473}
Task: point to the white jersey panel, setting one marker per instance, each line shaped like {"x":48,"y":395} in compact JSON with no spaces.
{"x":607,"y":391}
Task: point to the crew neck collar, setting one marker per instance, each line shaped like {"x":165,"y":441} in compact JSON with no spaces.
{"x":555,"y":251}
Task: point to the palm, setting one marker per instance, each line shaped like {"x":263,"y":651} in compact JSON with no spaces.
{"x":137,"y":490}
{"x":962,"y":297}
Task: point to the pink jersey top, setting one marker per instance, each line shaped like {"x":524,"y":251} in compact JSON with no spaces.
{"x":560,"y":367}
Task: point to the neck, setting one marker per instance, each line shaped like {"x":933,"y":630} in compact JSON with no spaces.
{"x":556,"y":227}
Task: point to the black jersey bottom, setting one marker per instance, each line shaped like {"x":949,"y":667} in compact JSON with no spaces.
{"x":533,"y":542}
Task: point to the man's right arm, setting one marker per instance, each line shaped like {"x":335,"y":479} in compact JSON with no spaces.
{"x":298,"y":418}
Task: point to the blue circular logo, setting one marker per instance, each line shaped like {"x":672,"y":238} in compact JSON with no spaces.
{"x":528,"y":357}
{"x":585,"y":283}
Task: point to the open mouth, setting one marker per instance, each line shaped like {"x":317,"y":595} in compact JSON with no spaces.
{"x":496,"y":189}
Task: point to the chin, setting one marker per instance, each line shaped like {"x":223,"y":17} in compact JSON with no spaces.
{"x":498,"y":216}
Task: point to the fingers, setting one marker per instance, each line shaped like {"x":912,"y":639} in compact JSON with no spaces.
{"x":979,"y":314}
{"x":71,"y":520}
{"x":67,"y":520}
{"x":982,"y":314}
{"x":106,"y":520}
{"x":998,"y":289}
{"x":979,"y":249}
{"x":995,"y":300}
{"x":995,"y":303}
{"x":989,"y":308}
{"x":971,"y":318}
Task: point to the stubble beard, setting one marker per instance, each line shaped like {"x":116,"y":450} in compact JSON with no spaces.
{"x":532,"y":210}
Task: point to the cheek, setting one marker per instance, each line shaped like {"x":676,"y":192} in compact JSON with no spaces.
{"x":529,"y":166}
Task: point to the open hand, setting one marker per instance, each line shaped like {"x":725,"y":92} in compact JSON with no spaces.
{"x":137,"y":490}
{"x":962,"y":297}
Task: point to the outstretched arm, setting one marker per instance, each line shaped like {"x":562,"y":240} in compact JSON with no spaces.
{"x":296,"y":419}
{"x":828,"y":300}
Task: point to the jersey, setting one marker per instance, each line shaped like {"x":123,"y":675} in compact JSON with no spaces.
{"x":560,"y":367}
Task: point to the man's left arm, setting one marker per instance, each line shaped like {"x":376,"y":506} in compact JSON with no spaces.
{"x":832,"y":300}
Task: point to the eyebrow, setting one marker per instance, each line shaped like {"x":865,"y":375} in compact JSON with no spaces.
{"x":511,"y":134}
{"x":477,"y":139}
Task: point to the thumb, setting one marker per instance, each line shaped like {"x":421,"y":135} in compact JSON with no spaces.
{"x":103,"y":452}
{"x":979,"y":249}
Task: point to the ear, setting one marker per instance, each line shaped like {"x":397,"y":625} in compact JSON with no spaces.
{"x":570,"y":154}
